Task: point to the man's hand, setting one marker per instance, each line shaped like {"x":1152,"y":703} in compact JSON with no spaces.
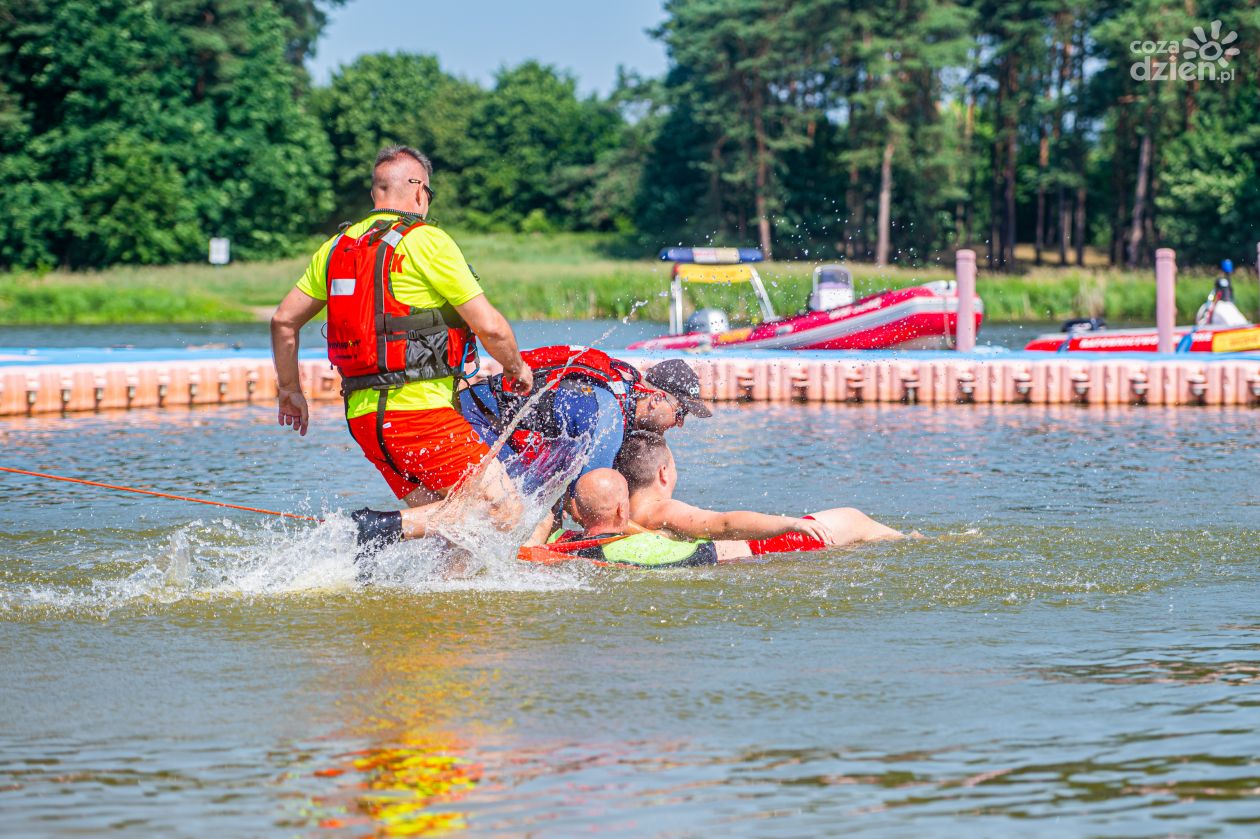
{"x":294,"y":311}
{"x":497,"y":337}
{"x":293,"y":411}
{"x":815,"y":530}
{"x":518,"y":379}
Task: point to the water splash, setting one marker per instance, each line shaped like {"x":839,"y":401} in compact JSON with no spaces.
{"x":634,"y":307}
{"x":224,"y":559}
{"x":469,"y":550}
{"x":207,"y":561}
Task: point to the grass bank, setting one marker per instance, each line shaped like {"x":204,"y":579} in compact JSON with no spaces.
{"x":572,"y":276}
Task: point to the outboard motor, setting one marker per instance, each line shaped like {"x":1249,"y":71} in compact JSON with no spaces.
{"x":708,"y":321}
{"x":1220,"y":310}
{"x":1078,"y":325}
{"x":833,"y":288}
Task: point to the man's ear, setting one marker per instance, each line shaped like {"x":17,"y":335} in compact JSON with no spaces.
{"x":660,"y":473}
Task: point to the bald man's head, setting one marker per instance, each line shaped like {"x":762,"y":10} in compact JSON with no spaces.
{"x":601,"y":501}
{"x":399,"y":177}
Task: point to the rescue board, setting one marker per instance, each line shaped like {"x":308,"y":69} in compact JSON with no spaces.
{"x":556,"y":554}
{"x":541,"y":556}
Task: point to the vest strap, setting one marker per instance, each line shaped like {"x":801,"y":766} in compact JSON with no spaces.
{"x":388,"y":381}
{"x":380,"y":441}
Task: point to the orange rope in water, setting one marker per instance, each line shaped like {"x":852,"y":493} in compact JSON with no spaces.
{"x":157,"y":494}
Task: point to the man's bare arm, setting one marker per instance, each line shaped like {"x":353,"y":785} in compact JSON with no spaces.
{"x":695,"y":523}
{"x":497,"y":336}
{"x":294,"y":311}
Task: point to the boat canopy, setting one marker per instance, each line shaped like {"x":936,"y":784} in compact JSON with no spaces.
{"x":723,"y":274}
{"x":711,"y":256}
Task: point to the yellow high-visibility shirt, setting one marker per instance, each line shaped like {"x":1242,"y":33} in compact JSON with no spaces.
{"x":433,"y":274}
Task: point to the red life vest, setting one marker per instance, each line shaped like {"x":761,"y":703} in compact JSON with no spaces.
{"x":568,"y":361}
{"x":551,"y":365}
{"x":374,"y":340}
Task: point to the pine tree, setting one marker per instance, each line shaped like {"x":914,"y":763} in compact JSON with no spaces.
{"x":742,"y":62}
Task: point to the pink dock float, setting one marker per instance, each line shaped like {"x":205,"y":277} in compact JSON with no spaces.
{"x":941,"y":379}
{"x":39,"y":388}
{"x":961,"y":381}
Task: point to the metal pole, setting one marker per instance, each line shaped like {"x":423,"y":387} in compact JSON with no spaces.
{"x":965,"y":273}
{"x":1165,"y":297}
{"x":675,"y":305}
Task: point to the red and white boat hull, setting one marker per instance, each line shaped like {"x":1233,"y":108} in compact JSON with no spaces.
{"x":920,"y":317}
{"x":1204,"y":339}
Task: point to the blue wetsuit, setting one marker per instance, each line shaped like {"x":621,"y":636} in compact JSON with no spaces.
{"x":588,"y":416}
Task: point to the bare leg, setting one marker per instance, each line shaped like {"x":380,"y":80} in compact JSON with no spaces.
{"x":495,"y":489}
{"x":421,"y":504}
{"x":852,"y":526}
{"x":729,"y":550}
{"x":491,"y":488}
{"x":422,"y":497}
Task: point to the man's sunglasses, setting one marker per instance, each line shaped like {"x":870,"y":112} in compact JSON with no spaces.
{"x":427,"y":189}
{"x":680,"y":410}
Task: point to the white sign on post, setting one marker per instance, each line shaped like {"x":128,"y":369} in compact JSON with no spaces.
{"x":220,"y":251}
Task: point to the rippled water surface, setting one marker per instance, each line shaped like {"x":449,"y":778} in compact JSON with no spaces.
{"x":1074,"y":650}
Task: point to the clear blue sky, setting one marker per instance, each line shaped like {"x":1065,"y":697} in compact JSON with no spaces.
{"x":474,"y":38}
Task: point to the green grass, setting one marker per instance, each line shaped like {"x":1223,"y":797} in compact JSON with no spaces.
{"x":572,"y":275}
{"x":142,"y":294}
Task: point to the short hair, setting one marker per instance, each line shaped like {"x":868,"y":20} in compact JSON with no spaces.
{"x":642,"y":454}
{"x":391,"y":153}
{"x":389,"y":180}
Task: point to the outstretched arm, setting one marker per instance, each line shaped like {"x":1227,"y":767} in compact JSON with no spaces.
{"x":495,"y":332}
{"x":291,"y":315}
{"x":695,"y":523}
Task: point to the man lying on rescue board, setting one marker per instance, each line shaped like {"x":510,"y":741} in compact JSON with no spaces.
{"x":648,"y":467}
{"x":602,"y":505}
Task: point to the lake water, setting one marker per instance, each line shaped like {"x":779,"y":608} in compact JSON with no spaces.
{"x":1074,"y":650}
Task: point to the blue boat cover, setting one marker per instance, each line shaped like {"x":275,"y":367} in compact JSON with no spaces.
{"x":712,"y":256}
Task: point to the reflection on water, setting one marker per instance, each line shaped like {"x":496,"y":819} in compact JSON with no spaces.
{"x":1073,"y":651}
{"x":402,"y":786}
{"x":409,"y":780}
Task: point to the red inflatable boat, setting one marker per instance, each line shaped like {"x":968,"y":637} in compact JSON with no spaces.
{"x":1185,"y":339}
{"x":1219,"y":327}
{"x":919,"y":317}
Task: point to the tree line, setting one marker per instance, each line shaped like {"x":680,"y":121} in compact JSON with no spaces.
{"x":131,"y":132}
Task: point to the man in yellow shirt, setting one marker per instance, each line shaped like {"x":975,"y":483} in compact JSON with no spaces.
{"x":403,"y":310}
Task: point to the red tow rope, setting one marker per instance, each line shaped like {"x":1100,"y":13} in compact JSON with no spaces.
{"x":157,"y":494}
